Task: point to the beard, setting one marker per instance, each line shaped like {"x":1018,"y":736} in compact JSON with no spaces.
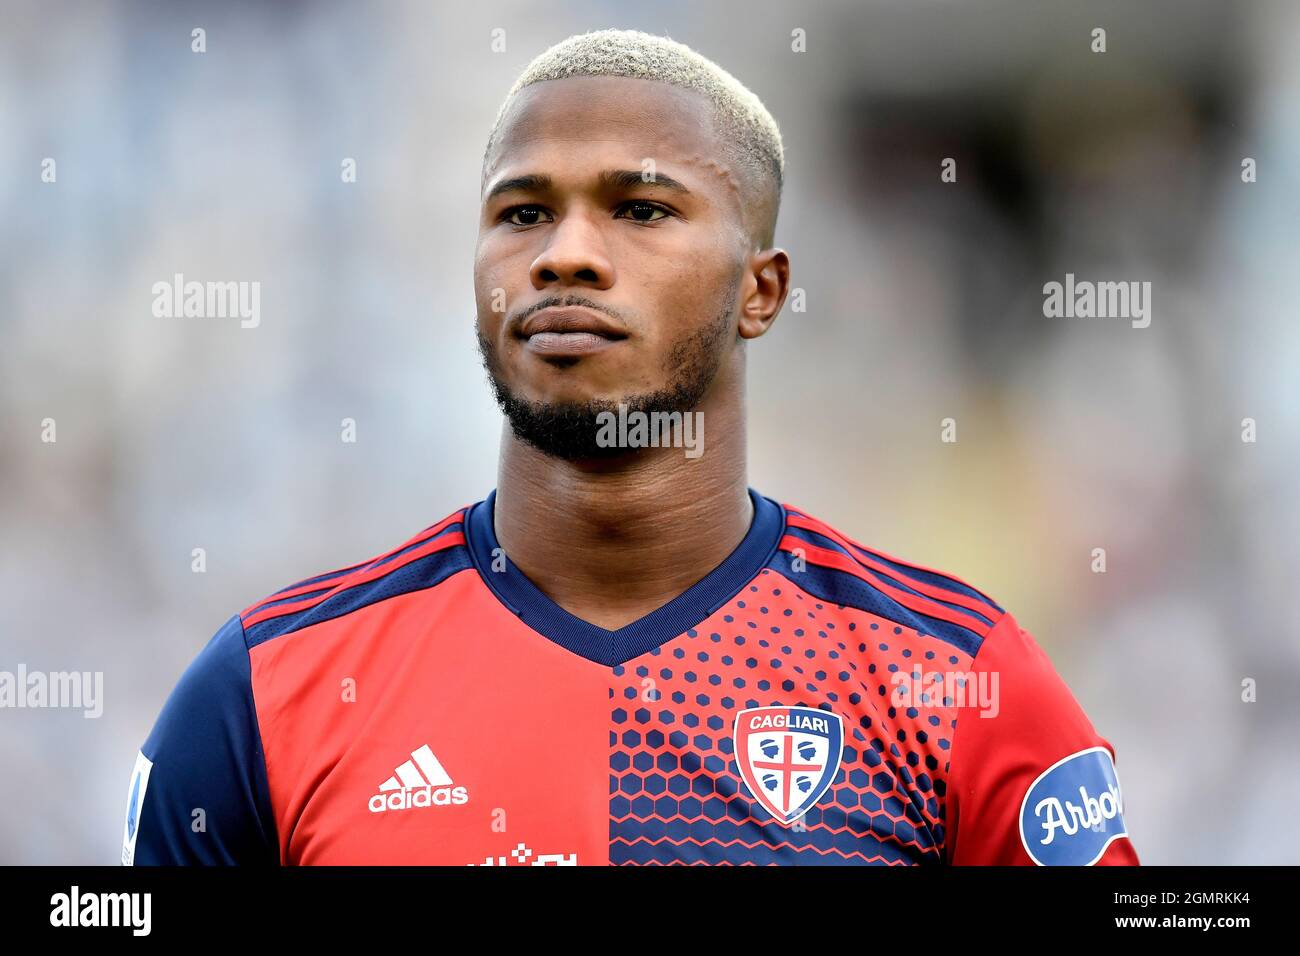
{"x":569,"y":430}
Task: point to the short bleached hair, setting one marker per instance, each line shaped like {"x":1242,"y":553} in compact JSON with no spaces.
{"x":742,"y":121}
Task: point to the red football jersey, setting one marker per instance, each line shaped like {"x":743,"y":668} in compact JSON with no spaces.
{"x":810,"y":701}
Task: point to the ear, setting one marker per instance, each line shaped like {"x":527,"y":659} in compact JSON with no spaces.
{"x":767,"y":282}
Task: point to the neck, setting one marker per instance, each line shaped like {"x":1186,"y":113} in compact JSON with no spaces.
{"x":612,"y":541}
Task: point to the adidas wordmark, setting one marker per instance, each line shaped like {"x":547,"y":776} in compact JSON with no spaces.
{"x":419,"y":782}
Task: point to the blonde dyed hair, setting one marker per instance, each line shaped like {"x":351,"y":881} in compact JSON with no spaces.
{"x":743,"y":123}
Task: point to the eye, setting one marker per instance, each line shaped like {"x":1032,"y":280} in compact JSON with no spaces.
{"x":529,"y":214}
{"x":644,"y":211}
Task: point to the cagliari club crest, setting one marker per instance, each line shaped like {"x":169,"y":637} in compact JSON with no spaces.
{"x":788,"y":756}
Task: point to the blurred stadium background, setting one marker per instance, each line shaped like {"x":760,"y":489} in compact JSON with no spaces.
{"x":924,"y":301}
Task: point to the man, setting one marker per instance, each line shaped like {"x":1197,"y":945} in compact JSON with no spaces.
{"x":624,"y":654}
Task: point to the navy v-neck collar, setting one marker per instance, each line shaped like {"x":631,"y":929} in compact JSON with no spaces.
{"x":595,"y":643}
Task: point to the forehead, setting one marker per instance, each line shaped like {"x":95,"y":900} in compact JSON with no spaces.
{"x":607,"y":118}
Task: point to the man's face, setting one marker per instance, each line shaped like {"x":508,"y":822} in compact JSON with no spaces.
{"x":594,"y":286}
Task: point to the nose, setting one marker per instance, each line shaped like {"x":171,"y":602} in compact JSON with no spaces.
{"x":574,"y":255}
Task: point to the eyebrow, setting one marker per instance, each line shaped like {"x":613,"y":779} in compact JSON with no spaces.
{"x":609,"y":178}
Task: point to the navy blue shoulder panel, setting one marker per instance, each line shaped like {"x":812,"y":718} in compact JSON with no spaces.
{"x":846,"y":590}
{"x":404,"y":575}
{"x":205,"y":800}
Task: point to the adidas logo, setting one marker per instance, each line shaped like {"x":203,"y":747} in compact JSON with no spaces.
{"x":419,"y":782}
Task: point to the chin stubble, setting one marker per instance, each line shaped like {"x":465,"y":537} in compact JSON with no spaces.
{"x":569,"y":430}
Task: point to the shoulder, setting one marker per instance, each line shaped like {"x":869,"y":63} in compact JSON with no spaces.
{"x":834,"y":567}
{"x":423,"y":561}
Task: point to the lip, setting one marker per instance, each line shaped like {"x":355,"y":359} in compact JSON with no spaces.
{"x":569,"y":332}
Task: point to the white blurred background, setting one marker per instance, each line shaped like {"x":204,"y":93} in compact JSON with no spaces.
{"x":924,"y":301}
